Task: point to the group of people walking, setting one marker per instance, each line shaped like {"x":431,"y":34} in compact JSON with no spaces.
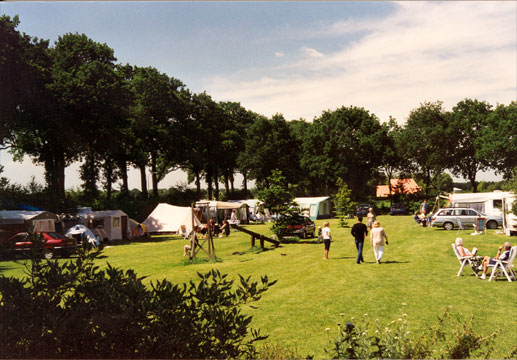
{"x":359,"y":231}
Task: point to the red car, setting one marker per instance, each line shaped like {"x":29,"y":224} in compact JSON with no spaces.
{"x":53,"y":243}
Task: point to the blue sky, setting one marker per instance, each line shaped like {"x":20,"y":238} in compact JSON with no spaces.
{"x":299,"y":58}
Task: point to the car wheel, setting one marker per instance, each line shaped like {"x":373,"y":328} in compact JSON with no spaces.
{"x":491,"y":225}
{"x":48,"y":254}
{"x":448,"y":226}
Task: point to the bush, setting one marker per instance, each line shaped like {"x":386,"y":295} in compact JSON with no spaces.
{"x":450,"y":338}
{"x":74,"y":309}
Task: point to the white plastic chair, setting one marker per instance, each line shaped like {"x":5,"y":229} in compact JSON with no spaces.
{"x":464,"y":260}
{"x":504,"y":267}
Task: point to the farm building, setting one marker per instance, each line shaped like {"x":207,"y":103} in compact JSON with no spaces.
{"x":398,"y":186}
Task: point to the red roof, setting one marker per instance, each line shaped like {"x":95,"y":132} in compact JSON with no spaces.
{"x":405,"y":186}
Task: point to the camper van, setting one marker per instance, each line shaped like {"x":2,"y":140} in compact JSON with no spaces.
{"x":489,"y":203}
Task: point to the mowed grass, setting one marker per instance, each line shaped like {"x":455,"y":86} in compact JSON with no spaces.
{"x":417,"y":277}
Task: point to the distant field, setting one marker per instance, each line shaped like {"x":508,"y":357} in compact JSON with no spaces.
{"x":419,"y":270}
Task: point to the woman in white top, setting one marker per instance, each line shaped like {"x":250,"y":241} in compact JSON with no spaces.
{"x":377,"y":236}
{"x":327,"y":237}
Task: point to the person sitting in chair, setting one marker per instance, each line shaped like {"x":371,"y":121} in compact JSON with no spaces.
{"x":464,"y":252}
{"x":500,"y":256}
{"x":417,"y":218}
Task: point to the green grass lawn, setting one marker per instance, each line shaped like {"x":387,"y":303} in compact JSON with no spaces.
{"x":419,"y":270}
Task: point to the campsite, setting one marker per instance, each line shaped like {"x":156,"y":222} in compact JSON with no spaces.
{"x":187,"y":180}
{"x":418,"y":279}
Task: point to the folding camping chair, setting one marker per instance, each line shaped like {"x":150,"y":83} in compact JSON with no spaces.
{"x":504,"y":267}
{"x":464,"y":260}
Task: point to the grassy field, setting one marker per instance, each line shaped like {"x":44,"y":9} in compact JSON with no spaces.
{"x":419,"y":270}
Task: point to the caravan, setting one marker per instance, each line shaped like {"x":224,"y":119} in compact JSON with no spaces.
{"x":509,"y":218}
{"x":489,"y":203}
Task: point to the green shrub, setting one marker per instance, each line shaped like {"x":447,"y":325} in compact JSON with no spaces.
{"x":74,"y":309}
{"x":452,"y":337}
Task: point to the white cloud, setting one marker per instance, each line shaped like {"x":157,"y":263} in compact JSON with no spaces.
{"x":279,"y":54}
{"x":313,"y":53}
{"x":424,"y":51}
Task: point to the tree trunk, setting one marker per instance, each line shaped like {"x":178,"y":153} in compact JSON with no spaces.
{"x":108,"y":166}
{"x":209,"y":183}
{"x":154,"y":176}
{"x":227,"y":184}
{"x":231,"y":183}
{"x":216,"y":183}
{"x":198,"y":184}
{"x":55,"y":177}
{"x":244,"y":182}
{"x":143,"y":181}
{"x":123,"y":174}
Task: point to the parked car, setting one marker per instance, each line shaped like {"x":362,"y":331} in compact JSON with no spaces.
{"x":303,"y":227}
{"x":53,"y":244}
{"x":362,"y":209}
{"x":398,"y":209}
{"x":448,"y":218}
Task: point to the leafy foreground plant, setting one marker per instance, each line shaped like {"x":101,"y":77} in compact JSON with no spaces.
{"x":450,"y":338}
{"x":75,"y":310}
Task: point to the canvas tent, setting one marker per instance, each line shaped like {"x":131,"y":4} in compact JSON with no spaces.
{"x":15,"y":221}
{"x":171,"y":219}
{"x":221,"y":210}
{"x":489,"y":203}
{"x":317,"y":207}
{"x":107,"y":224}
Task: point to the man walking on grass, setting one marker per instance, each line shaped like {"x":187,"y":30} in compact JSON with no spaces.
{"x":359,"y":231}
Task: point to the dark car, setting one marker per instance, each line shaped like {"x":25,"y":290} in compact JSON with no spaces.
{"x":302,"y":226}
{"x":53,"y":243}
{"x":362,"y":210}
{"x":398,"y":209}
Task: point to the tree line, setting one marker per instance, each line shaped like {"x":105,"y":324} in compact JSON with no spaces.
{"x":71,"y":101}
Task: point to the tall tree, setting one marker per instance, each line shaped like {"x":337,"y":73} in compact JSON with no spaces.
{"x":270,"y":145}
{"x":425,"y":142}
{"x":468,"y":121}
{"x":345,"y":143}
{"x":499,"y":139}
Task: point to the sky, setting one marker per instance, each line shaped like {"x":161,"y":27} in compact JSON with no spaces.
{"x":298,"y":58}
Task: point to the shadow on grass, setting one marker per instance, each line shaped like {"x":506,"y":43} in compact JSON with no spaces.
{"x":201,"y":260}
{"x":142,"y":240}
{"x":255,"y":250}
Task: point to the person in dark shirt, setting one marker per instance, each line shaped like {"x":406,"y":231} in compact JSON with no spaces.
{"x":359,"y":231}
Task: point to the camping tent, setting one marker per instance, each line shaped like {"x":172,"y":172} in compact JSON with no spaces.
{"x":490,"y":203}
{"x":318,"y":207}
{"x":107,"y":224}
{"x":220,"y":210}
{"x":15,"y":221}
{"x":84,"y":232}
{"x":170,"y":218}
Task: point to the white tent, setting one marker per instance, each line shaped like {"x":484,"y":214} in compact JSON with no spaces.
{"x":84,"y":232}
{"x":170,"y":218}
